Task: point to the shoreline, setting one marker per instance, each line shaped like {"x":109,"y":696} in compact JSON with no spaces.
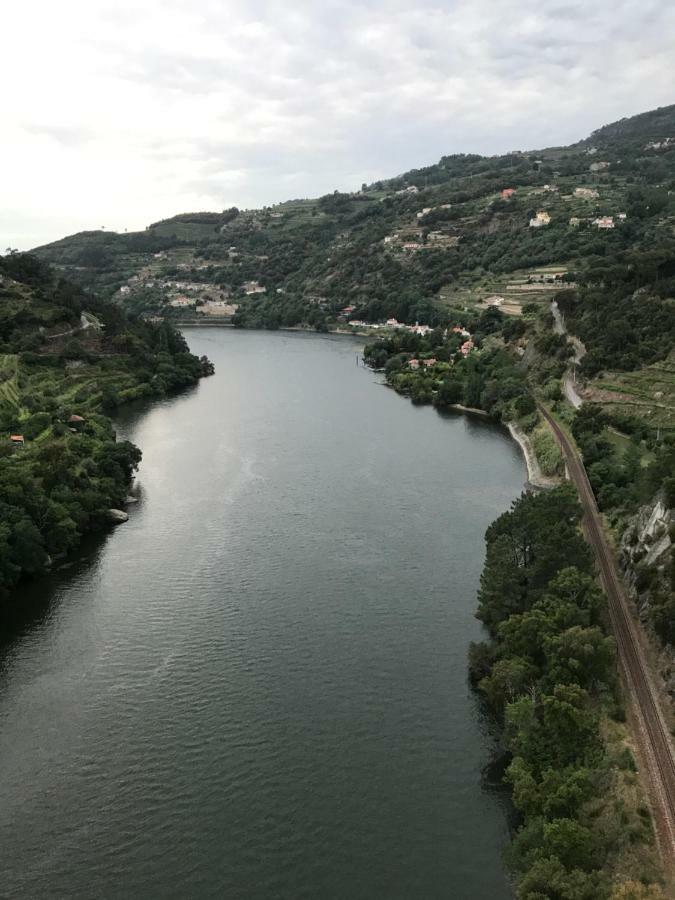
{"x":535,"y":477}
{"x":298,"y":329}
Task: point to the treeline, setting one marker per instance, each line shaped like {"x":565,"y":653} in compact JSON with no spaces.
{"x":69,"y":471}
{"x":53,"y":493}
{"x":200,"y":218}
{"x":549,"y":675}
{"x":432,"y":368}
{"x":624,"y":309}
{"x":623,"y":481}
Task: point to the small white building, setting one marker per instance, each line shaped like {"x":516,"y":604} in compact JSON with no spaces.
{"x":586,"y":193}
{"x":181,"y":302}
{"x":542,"y":218}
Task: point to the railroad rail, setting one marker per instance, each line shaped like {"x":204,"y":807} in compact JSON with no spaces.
{"x":652,"y":731}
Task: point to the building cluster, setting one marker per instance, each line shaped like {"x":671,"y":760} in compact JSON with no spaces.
{"x":465,"y":350}
{"x":602,"y":222}
{"x":216,"y":308}
{"x":253,"y":287}
{"x":421,"y":330}
{"x":414,"y":364}
{"x":540,"y":219}
{"x":429,"y":209}
{"x":546,"y":189}
{"x":411,"y":240}
{"x":586,"y":193}
{"x":177,"y":293}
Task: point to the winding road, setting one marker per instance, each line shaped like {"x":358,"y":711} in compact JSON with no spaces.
{"x":569,"y":380}
{"x":651,"y":731}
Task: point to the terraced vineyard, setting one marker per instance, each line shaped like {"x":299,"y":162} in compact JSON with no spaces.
{"x":9,"y":370}
{"x":518,"y":288}
{"x":647,"y":394}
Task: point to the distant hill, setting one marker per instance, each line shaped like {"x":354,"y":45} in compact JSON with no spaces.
{"x":66,"y":361}
{"x":653,"y":125}
{"x":429,"y":245}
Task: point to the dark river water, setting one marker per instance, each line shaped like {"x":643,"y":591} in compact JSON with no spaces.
{"x":257,"y":687}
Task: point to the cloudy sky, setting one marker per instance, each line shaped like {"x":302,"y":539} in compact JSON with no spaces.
{"x":117,"y":113}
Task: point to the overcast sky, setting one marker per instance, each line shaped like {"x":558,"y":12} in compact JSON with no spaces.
{"x":117,"y":113}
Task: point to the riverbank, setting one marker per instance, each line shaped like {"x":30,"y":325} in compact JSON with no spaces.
{"x":260,"y":593}
{"x":219,"y":323}
{"x":535,"y":476}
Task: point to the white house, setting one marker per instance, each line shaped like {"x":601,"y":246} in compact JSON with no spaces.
{"x":542,"y":218}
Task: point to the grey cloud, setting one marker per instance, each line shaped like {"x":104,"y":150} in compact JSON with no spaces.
{"x":305,"y":97}
{"x":68,"y":136}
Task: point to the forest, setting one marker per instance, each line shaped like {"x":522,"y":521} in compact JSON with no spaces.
{"x":58,"y":382}
{"x":548,"y":675}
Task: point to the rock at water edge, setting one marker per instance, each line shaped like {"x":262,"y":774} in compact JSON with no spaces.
{"x":117,"y":516}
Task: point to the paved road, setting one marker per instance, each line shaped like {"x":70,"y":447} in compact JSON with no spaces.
{"x":652,"y":732}
{"x":569,"y":383}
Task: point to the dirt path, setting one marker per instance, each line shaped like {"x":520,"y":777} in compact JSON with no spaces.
{"x":651,"y":731}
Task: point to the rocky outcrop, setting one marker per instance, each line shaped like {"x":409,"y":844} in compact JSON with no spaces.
{"x":117,"y":516}
{"x":645,"y":555}
{"x":647,"y":538}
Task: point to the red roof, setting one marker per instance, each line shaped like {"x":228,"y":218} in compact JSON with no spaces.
{"x":16,"y":437}
{"x":75,"y":418}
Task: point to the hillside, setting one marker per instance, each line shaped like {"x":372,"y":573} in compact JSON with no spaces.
{"x":449,"y":238}
{"x":480,"y":244}
{"x":535,"y":288}
{"x":66,"y":360}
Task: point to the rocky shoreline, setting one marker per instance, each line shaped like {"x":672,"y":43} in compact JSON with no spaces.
{"x":535,"y":477}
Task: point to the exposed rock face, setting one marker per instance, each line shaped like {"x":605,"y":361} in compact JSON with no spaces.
{"x":117,"y":516}
{"x":647,"y":539}
{"x":645,"y":556}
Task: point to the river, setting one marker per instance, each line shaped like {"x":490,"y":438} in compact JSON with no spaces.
{"x":257,"y":687}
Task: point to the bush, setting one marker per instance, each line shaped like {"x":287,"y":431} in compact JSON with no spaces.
{"x":547,"y":451}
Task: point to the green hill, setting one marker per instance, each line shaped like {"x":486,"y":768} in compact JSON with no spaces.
{"x":428,"y":245}
{"x":66,"y":360}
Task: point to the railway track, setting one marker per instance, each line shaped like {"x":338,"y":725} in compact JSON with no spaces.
{"x":652,"y":733}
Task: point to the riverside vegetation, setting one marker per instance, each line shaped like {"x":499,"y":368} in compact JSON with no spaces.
{"x":549,"y":675}
{"x":66,"y":361}
{"x":451,"y":246}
